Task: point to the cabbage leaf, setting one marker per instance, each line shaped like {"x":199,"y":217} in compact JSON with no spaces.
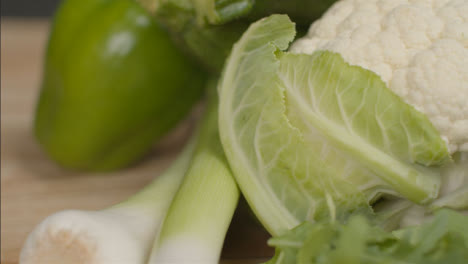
{"x":311,"y":137}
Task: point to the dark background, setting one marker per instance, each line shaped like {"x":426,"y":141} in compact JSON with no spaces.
{"x":28,"y":8}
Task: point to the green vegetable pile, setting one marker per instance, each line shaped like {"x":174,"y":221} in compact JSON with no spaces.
{"x":336,"y":166}
{"x":442,"y":240}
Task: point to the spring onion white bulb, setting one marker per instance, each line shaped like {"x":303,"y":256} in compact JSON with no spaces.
{"x":121,"y":234}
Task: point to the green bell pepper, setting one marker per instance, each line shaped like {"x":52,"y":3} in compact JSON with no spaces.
{"x":113,"y":84}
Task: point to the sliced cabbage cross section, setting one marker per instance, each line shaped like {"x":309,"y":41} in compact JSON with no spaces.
{"x":309,"y":136}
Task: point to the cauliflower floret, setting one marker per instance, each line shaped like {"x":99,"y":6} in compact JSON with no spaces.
{"x":418,"y":47}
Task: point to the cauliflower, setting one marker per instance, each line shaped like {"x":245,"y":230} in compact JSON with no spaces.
{"x":418,"y":47}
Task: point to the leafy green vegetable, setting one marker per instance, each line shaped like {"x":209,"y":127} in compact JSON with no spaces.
{"x":208,"y":44}
{"x":219,"y":12}
{"x":443,"y":240}
{"x":302,"y":12}
{"x":309,"y":136}
{"x":207,"y":29}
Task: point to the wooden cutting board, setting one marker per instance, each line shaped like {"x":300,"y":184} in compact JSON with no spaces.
{"x":33,"y":187}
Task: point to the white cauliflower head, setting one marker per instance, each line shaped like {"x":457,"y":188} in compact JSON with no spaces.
{"x":418,"y":47}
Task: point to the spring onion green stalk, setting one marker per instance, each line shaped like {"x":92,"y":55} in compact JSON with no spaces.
{"x":121,"y":234}
{"x":196,"y":224}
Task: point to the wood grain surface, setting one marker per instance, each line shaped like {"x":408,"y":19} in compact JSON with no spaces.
{"x":33,"y":187}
